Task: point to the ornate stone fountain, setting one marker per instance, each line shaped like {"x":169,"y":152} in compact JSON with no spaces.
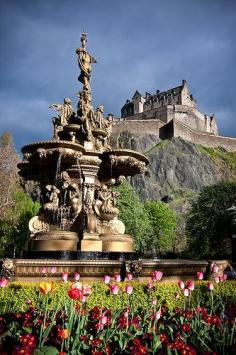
{"x":75,"y":173}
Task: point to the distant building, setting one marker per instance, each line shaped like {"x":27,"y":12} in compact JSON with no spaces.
{"x":176,"y":103}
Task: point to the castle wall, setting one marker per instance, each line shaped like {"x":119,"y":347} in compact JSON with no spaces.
{"x":205,"y":139}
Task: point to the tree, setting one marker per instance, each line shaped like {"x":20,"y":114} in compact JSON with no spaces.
{"x":134,"y":216}
{"x":163,"y":222}
{"x":209,"y":223}
{"x":8,"y":172}
{"x":14,"y":230}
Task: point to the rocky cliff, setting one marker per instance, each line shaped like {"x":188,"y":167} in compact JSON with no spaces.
{"x":177,"y":168}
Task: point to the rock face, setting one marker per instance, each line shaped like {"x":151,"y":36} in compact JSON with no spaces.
{"x":177,"y":168}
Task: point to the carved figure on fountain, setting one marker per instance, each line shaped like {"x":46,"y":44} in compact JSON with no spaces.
{"x":66,"y":112}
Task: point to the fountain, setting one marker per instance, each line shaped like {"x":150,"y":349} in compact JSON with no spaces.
{"x":77,"y":227}
{"x":76,"y":171}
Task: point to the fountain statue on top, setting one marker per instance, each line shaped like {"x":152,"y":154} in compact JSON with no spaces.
{"x":76,"y":171}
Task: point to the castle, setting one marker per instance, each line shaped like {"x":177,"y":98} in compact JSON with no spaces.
{"x":171,"y":113}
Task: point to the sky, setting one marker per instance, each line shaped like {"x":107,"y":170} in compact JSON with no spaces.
{"x":144,"y":45}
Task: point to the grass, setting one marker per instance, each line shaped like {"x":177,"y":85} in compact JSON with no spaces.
{"x":220,"y":153}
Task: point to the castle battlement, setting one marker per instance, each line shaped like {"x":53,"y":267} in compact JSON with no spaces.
{"x":176,"y":103}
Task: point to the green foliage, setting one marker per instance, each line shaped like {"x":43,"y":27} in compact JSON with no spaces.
{"x":14,"y":226}
{"x":163,"y":222}
{"x":15,"y":296}
{"x":209,"y":222}
{"x":220,"y":154}
{"x":134,"y":216}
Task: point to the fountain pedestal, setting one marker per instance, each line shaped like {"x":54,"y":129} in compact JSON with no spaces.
{"x":91,"y":242}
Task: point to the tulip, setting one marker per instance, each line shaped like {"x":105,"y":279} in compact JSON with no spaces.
{"x":200,"y":275}
{"x":106,"y":279}
{"x":225,"y":276}
{"x":74,"y":293}
{"x":158,"y":315}
{"x":128,"y":289}
{"x":117,"y":278}
{"x":4,"y":282}
{"x":76,"y":276}
{"x":46,"y":287}
{"x":64,"y":276}
{"x":44,"y":270}
{"x":156,"y":275}
{"x":78,"y":285}
{"x":149,"y":285}
{"x":53,"y":269}
{"x":114,"y":289}
{"x":186,"y":292}
{"x":104,"y":320}
{"x":214,"y":268}
{"x":87,"y":290}
{"x":28,"y":301}
{"x":63,"y":334}
{"x":154,"y":302}
{"x":176,"y":295}
{"x":190,"y":285}
{"x":181,"y":284}
{"x":210,"y":285}
{"x":83,"y":298}
{"x":129,"y":276}
{"x":217,"y":279}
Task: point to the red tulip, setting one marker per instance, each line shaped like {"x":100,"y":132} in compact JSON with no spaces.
{"x":74,"y":293}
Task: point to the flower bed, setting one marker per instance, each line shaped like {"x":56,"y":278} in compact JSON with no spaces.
{"x":116,"y":317}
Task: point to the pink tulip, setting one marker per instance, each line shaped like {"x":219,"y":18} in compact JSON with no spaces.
{"x":190,"y":285}
{"x":200,"y":275}
{"x":53,"y":269}
{"x":225,"y":276}
{"x":186,"y":292}
{"x":83,"y":299}
{"x":156,"y":275}
{"x":210,"y":285}
{"x":4,"y":282}
{"x":158,"y":315}
{"x":181,"y":284}
{"x":214,"y":268}
{"x":154,"y":302}
{"x":106,"y":279}
{"x":76,"y":276}
{"x":117,"y":278}
{"x":78,"y":285}
{"x":28,"y":301}
{"x":128,"y":289}
{"x":44,"y":270}
{"x":177,"y":296}
{"x":149,"y":285}
{"x":104,"y":320}
{"x":114,"y":289}
{"x":217,"y":279}
{"x":64,"y":276}
{"x":87,"y":290}
{"x":129,"y":276}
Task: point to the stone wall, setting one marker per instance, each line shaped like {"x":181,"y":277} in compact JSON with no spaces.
{"x":208,"y":140}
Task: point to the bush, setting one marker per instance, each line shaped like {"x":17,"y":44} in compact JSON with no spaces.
{"x":15,"y":296}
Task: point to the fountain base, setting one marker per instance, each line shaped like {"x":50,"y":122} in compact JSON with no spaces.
{"x":91,"y":242}
{"x":117,"y":243}
{"x":54,"y":240}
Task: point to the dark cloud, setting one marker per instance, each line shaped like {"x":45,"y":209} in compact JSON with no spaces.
{"x":144,"y":45}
